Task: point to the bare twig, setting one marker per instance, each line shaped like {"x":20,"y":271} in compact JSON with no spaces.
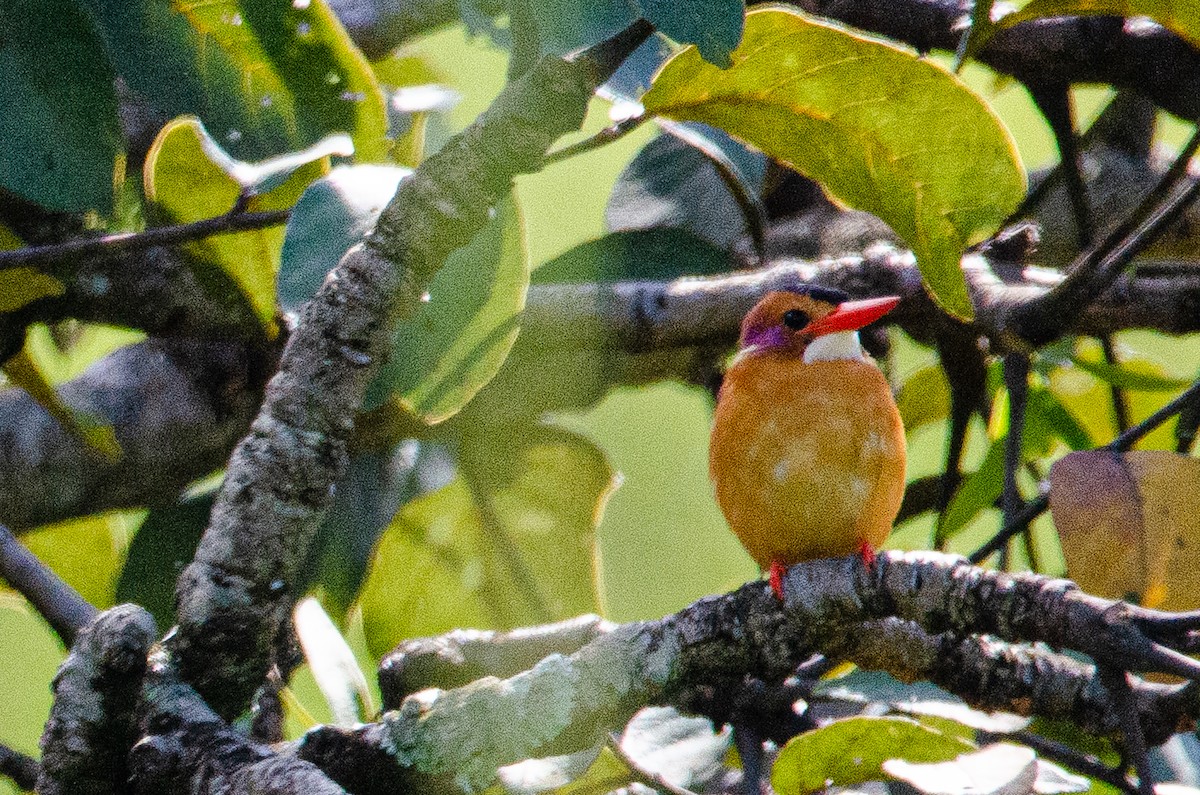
{"x":1120,"y":401}
{"x":125,"y":242}
{"x":1117,"y":683}
{"x":1054,"y":101}
{"x":61,"y":605}
{"x":21,"y":769}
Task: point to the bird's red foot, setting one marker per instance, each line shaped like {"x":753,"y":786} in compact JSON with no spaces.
{"x":776,"y":578}
{"x":867,"y":553}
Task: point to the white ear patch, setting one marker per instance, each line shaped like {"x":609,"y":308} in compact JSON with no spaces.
{"x":834,"y":347}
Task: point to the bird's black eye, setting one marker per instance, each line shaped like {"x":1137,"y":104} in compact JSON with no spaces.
{"x":795,"y":319}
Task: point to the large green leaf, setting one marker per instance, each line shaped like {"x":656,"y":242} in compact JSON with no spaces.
{"x":265,"y":76}
{"x":664,"y":253}
{"x":190,"y":178}
{"x":457,"y":341}
{"x":852,"y":751}
{"x":882,"y":129}
{"x":87,"y":552}
{"x":1181,"y":18}
{"x":58,"y":131}
{"x":508,"y":542}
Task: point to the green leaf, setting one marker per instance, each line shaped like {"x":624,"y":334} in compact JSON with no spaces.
{"x":21,"y":286}
{"x":22,"y":370}
{"x":59,"y":134}
{"x":979,"y":490}
{"x":852,"y":751}
{"x":164,"y":544}
{"x":568,"y":25}
{"x":924,"y":397}
{"x":509,"y":542}
{"x":457,"y":341}
{"x":265,"y":76}
{"x":334,"y":213}
{"x":637,"y":254}
{"x":882,"y":129}
{"x":333,"y":664}
{"x":88,"y":552}
{"x":714,"y":26}
{"x":190,"y":178}
{"x":1182,"y":19}
{"x":1140,"y":374}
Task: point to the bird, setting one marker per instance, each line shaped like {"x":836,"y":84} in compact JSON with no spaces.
{"x":807,"y":453}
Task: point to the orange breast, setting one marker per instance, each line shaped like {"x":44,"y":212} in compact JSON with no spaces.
{"x":807,"y":459}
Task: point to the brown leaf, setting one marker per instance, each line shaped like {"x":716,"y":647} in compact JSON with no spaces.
{"x":1129,"y":524}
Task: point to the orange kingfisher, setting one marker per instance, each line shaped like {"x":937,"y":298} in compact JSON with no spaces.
{"x":807,"y":452}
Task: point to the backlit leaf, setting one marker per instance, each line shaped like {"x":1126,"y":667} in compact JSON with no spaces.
{"x":924,"y":397}
{"x":1128,"y":524}
{"x":1139,"y":374}
{"x":852,"y":751}
{"x":332,"y":663}
{"x":20,"y":286}
{"x":88,"y":552}
{"x":266,"y":77}
{"x":458,"y":339}
{"x":509,"y":542}
{"x":882,"y":129}
{"x":190,"y":178}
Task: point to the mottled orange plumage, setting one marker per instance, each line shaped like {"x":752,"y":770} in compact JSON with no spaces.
{"x":807,"y":457}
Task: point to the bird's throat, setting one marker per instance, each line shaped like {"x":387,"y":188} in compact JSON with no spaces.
{"x":839,"y":346}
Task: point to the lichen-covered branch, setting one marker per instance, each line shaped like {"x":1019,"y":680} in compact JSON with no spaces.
{"x":93,"y":724}
{"x":918,"y":616}
{"x":187,"y":748}
{"x":235,"y":597}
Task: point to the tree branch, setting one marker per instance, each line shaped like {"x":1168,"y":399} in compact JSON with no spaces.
{"x":56,"y":601}
{"x":235,"y":597}
{"x":175,"y":406}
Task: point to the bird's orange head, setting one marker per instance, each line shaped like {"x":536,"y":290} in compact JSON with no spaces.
{"x":788,"y":321}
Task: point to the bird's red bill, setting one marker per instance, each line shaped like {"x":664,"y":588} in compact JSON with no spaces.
{"x":852,"y":315}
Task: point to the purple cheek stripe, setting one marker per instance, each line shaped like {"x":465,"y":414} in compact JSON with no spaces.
{"x":767,"y":337}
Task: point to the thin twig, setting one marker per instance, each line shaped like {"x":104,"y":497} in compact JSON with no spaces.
{"x":22,"y":769}
{"x":1131,"y":437}
{"x":1032,"y":510}
{"x":124,"y":242}
{"x":1120,"y":401}
{"x":601,"y":139}
{"x":61,"y":605}
{"x":1064,"y":754}
{"x":1016,"y":380}
{"x":1054,"y":101}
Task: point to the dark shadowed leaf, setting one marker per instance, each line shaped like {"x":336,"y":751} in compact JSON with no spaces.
{"x":190,"y":178}
{"x":266,"y":77}
{"x":640,"y":254}
{"x":852,"y":751}
{"x":164,"y":544}
{"x":334,"y":213}
{"x":882,"y":129}
{"x":567,"y":25}
{"x":1180,"y":18}
{"x":59,"y":133}
{"x":672,"y":184}
{"x":714,"y":26}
